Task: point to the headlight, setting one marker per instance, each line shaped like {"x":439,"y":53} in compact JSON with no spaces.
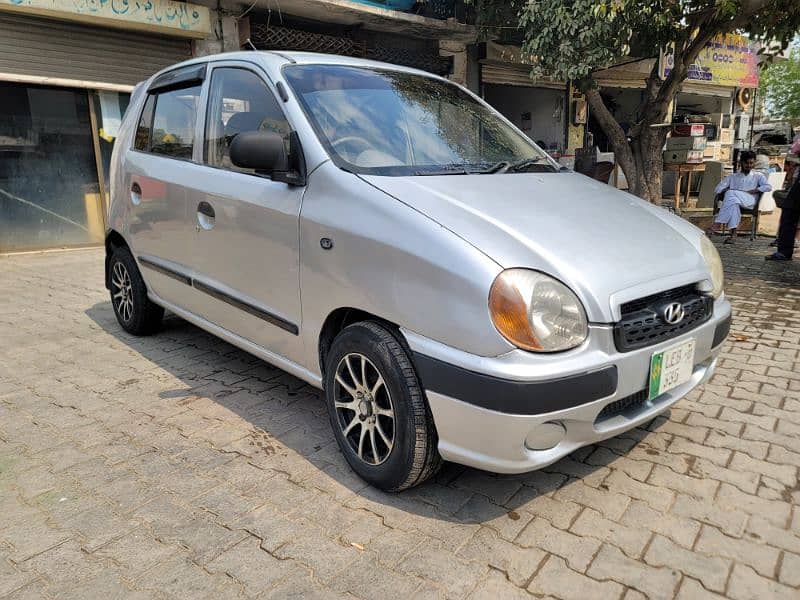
{"x":535,"y":312}
{"x":714,"y":263}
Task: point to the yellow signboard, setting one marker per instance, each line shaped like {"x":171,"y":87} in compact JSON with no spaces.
{"x":159,"y":16}
{"x":727,"y":60}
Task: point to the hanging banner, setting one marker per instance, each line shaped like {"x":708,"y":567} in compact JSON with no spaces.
{"x":167,"y":17}
{"x":728,"y":60}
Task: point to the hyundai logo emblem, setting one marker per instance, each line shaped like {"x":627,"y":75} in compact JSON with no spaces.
{"x":673,"y":313}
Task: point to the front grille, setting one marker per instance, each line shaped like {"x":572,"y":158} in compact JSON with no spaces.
{"x":641,"y":324}
{"x":623,"y":405}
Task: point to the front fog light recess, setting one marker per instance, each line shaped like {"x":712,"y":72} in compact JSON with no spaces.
{"x":536,"y":312}
{"x":545,"y":436}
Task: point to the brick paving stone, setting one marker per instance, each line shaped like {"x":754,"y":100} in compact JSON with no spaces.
{"x":692,"y":590}
{"x":693,"y":486}
{"x":555,"y":578}
{"x":657,"y":498}
{"x":254,"y":568}
{"x":775,"y":511}
{"x":577,"y":551}
{"x":559,"y":513}
{"x":507,"y":523}
{"x":786,"y":474}
{"x":681,"y":530}
{"x":324,"y":557}
{"x":761,"y":557}
{"x":759,"y":528}
{"x":487,"y":547}
{"x":637,"y":469}
{"x":497,"y":586}
{"x":367,"y":580}
{"x":610,"y":504}
{"x":790,"y":570}
{"x":63,"y":566}
{"x":745,"y":481}
{"x":728,"y":519}
{"x":457,"y":576}
{"x":711,"y":571}
{"x":611,"y":563}
{"x":591,"y":523}
{"x":175,"y":465}
{"x":746,"y":584}
{"x":135,"y":552}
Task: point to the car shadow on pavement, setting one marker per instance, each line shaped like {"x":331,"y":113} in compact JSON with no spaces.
{"x":288,"y":431}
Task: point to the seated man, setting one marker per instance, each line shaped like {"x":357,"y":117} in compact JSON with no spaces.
{"x":741,"y":190}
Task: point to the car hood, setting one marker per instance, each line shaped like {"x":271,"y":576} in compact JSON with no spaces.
{"x":607,"y":245}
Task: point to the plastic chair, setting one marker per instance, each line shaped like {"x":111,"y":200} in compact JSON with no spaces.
{"x":718,"y":199}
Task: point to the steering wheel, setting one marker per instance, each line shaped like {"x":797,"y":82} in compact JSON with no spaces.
{"x":352,"y":138}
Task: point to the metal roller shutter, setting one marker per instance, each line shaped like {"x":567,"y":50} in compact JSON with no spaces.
{"x":46,"y":48}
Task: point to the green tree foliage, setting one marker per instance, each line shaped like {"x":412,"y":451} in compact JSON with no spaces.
{"x":780,"y":83}
{"x":573,"y":39}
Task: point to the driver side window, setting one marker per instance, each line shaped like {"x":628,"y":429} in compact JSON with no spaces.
{"x":239,"y":101}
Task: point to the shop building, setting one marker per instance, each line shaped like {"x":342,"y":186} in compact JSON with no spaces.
{"x":66,"y":72}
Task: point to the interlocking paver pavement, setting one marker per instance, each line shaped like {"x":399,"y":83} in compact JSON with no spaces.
{"x":177,"y":466}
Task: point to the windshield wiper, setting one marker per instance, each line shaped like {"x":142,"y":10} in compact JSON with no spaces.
{"x":451,"y":169}
{"x":498,"y":167}
{"x":517,"y":166}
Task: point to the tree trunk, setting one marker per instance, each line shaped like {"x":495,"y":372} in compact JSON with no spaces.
{"x":640,"y":158}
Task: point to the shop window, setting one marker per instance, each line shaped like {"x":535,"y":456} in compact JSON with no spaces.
{"x":239,"y":101}
{"x":174,"y":117}
{"x":49,"y":189}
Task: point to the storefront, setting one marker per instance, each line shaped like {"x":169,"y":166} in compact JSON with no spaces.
{"x":65,"y":82}
{"x":547,"y":111}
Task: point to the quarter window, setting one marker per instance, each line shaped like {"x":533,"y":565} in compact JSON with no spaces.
{"x":145,"y":125}
{"x":239,"y":101}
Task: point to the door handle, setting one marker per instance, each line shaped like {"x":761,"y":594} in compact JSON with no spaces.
{"x":205,"y":215}
{"x":136,"y":194}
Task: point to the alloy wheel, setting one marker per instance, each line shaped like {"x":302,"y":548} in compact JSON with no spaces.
{"x":122,"y":291}
{"x":364,"y":408}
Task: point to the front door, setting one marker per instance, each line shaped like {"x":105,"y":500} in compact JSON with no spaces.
{"x":245,"y":251}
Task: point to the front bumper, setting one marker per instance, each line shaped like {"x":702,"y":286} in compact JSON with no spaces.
{"x":486,"y":408}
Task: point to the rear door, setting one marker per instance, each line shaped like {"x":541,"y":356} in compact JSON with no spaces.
{"x":160,"y":227}
{"x":245,"y":251}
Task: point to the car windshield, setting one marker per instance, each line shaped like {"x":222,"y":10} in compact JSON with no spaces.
{"x":385,"y":122}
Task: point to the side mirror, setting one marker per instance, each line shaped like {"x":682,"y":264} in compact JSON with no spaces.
{"x":265,"y":152}
{"x":259,"y":150}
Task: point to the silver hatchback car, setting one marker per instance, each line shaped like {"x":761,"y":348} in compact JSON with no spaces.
{"x":386,"y":236}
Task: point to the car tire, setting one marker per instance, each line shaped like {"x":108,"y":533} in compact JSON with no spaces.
{"x":394,"y":452}
{"x":135,"y":312}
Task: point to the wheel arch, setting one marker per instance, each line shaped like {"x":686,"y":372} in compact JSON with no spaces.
{"x":342,"y":317}
{"x":113,"y":241}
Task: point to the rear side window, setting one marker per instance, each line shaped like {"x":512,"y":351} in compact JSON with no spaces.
{"x":145,"y":125}
{"x":167,"y":123}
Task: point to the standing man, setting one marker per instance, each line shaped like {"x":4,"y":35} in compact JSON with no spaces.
{"x":790,"y":215}
{"x":741,"y":190}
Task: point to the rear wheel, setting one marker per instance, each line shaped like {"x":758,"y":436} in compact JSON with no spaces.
{"x":134,"y":310}
{"x":377,"y":408}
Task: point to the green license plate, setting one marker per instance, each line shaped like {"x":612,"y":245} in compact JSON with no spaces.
{"x":671,"y":367}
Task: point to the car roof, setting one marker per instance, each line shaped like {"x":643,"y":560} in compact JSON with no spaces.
{"x":300,"y":58}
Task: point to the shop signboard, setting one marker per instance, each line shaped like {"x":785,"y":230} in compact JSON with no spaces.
{"x":159,"y":16}
{"x":727,"y":60}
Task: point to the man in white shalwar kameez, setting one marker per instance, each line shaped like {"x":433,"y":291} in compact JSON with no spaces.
{"x":741,"y":190}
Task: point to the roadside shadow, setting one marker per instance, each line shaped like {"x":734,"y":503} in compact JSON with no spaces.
{"x":283,"y":409}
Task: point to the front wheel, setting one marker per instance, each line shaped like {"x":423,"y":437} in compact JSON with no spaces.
{"x":377,"y":409}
